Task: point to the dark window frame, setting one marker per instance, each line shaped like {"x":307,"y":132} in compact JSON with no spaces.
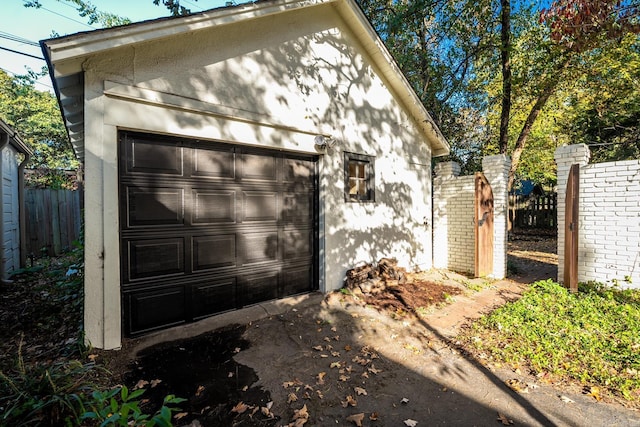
{"x":368,"y":162}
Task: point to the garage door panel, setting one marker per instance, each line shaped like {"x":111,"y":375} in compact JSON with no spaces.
{"x":153,"y":309}
{"x":154,"y":158}
{"x":297,"y":280}
{"x":213,"y":297}
{"x":297,"y":207}
{"x":258,"y":287}
{"x":154,"y":206}
{"x":260,"y":206}
{"x":259,"y":247}
{"x":157,"y":257}
{"x":262,"y":167}
{"x":211,"y":252}
{"x":299,"y":170}
{"x":214,"y":163}
{"x":214,"y":206}
{"x":297,"y":243}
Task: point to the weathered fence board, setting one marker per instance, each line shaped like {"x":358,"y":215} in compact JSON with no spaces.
{"x":53,"y":221}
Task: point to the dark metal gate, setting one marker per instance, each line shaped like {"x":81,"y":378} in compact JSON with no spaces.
{"x":209,"y":227}
{"x":483,"y":216}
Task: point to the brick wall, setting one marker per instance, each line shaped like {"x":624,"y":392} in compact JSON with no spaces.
{"x":453,"y":222}
{"x":609,"y":217}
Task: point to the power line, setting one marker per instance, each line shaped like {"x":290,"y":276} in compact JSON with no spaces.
{"x":66,"y":17}
{"x":18,"y":39}
{"x":21,"y":53}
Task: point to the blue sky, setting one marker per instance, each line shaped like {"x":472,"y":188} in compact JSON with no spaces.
{"x":60,"y":17}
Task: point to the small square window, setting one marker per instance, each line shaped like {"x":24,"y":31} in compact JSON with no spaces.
{"x":359,"y":174}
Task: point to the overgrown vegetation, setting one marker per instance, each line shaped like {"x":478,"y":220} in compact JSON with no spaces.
{"x":591,"y":337}
{"x":47,"y":377}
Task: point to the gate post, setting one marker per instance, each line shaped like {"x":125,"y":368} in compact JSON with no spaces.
{"x":566,"y":156}
{"x":496,"y":170}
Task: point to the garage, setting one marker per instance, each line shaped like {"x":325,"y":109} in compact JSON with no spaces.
{"x":208,"y":227}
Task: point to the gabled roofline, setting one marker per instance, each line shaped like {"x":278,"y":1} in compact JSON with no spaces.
{"x":67,"y":52}
{"x":14,"y":139}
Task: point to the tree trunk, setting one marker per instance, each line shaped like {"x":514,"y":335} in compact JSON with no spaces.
{"x":543,"y":97}
{"x":505,"y":48}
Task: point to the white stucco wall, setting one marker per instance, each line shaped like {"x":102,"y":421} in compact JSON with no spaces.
{"x":301,"y":77}
{"x":10,"y":211}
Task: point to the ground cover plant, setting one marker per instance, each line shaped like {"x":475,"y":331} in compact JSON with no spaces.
{"x":47,"y":375}
{"x":590,"y":338}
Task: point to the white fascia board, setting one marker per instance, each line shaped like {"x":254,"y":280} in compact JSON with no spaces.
{"x":83,"y":44}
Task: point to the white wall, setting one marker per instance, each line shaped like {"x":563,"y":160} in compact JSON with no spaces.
{"x":10,"y":211}
{"x":609,"y":217}
{"x":300,"y":78}
{"x":454,"y":226}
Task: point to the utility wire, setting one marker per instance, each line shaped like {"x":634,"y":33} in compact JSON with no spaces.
{"x":18,"y":39}
{"x":66,"y":17}
{"x":21,"y":53}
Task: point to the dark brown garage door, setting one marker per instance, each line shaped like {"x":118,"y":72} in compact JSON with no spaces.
{"x":209,"y":227}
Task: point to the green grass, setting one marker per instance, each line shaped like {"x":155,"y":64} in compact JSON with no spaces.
{"x":591,"y":337}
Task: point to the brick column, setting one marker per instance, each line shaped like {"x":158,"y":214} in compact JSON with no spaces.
{"x":496,"y":170}
{"x":566,"y":156}
{"x":445,"y":172}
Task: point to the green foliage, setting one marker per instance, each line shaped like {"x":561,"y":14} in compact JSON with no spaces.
{"x":45,"y":394}
{"x":87,"y":10}
{"x":591,"y":337}
{"x":36,"y":117}
{"x":118,"y":407}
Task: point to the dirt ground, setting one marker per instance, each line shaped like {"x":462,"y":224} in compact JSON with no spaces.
{"x":346,"y":360}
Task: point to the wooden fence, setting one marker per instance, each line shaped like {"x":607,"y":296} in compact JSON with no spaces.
{"x":52,"y":220}
{"x":533,"y":211}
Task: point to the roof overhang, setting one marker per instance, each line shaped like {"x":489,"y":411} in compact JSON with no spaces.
{"x":65,"y":56}
{"x":14,"y":139}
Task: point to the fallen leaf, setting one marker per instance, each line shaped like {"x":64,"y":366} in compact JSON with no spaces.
{"x":328,"y":347}
{"x":266,"y":412}
{"x":364,"y":375}
{"x":306,"y":395}
{"x":335,"y":353}
{"x":404,"y":400}
{"x":306,"y":387}
{"x":594,"y":392}
{"x":504,"y":420}
{"x":565,"y":399}
{"x":410,"y":423}
{"x":356,"y":419}
{"x":350,"y":401}
{"x":199,"y":390}
{"x":320,"y":377}
{"x":318,"y":348}
{"x":180,"y":415}
{"x":516,"y":385}
{"x":140,"y":384}
{"x":320,"y":395}
{"x":344,"y":378}
{"x":292,"y":398}
{"x":236,"y":350}
{"x":334,"y":329}
{"x":334,"y":365}
{"x":360,"y":391}
{"x":336,"y":338}
{"x":92,"y":357}
{"x":373,"y":369}
{"x":327,"y":339}
{"x":230,"y":375}
{"x":301,"y":413}
{"x":373,"y":416}
{"x":240,"y":408}
{"x":324,"y":356}
{"x":347,"y":347}
{"x":245,"y":388}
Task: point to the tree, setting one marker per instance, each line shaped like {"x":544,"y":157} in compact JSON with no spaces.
{"x":36,"y":117}
{"x":87,"y":10}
